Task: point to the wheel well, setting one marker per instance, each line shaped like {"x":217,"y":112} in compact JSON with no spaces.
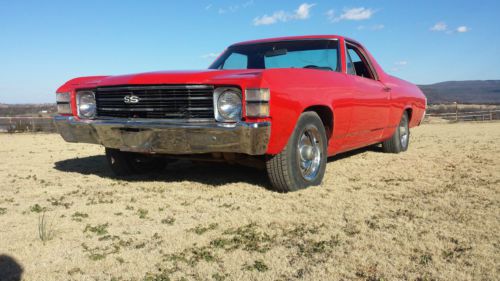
{"x":326,"y":115}
{"x":410,"y":113}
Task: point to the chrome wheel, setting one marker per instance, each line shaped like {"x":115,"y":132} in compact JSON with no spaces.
{"x":403,"y":131}
{"x":309,"y":153}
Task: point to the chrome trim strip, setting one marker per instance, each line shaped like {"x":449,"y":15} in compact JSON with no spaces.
{"x":368,"y":61}
{"x":153,"y":87}
{"x":149,"y":109}
{"x":285,"y":40}
{"x":156,"y":121}
{"x":106,"y":99}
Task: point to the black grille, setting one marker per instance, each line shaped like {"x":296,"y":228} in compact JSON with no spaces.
{"x":161,"y":102}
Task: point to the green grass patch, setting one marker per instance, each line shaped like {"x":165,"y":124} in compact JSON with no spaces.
{"x":99,"y":230}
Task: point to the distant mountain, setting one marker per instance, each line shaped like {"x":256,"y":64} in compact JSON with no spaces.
{"x":478,"y":92}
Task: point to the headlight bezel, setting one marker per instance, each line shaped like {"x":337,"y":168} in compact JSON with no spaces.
{"x":92,"y":105}
{"x":222,"y":116}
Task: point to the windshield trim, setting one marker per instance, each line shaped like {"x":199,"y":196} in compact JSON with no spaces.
{"x":285,"y":40}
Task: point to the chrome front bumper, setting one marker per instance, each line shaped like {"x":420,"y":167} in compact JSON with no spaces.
{"x":158,"y":136}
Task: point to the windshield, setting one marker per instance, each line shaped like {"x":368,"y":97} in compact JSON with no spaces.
{"x":314,"y":54}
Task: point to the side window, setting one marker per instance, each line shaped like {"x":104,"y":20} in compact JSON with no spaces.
{"x":359,"y":62}
{"x":350,"y":65}
{"x":236,"y":61}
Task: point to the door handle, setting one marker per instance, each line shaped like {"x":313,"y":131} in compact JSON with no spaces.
{"x":387,"y":89}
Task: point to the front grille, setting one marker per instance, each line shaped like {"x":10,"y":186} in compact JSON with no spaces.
{"x":160,"y":102}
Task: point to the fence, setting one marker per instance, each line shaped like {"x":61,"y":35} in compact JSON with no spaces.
{"x":484,"y":115}
{"x":27,"y":124}
{"x":46,"y":124}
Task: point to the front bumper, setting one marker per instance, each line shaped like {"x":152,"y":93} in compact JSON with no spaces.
{"x":158,"y":136}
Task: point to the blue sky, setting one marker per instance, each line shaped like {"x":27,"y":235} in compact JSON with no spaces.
{"x":45,"y":43}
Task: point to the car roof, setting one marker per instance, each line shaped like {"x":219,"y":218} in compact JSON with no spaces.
{"x":293,"y":38}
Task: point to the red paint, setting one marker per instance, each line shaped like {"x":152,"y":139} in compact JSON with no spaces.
{"x":364,"y":111}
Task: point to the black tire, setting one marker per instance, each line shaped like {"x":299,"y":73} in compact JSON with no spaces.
{"x":129,"y":163}
{"x":284,"y":169}
{"x":396,"y":144}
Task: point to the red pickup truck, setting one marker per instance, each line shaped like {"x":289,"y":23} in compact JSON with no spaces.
{"x":285,"y":103}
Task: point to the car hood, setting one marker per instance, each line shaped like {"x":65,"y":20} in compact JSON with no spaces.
{"x":215,"y":77}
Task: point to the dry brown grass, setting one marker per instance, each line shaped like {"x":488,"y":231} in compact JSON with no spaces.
{"x":432,"y":213}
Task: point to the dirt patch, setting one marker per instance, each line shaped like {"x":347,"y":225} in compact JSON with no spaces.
{"x":430,"y":213}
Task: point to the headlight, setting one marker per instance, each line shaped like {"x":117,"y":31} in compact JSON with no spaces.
{"x":85,"y":102}
{"x":228,"y":104}
{"x":63,"y":103}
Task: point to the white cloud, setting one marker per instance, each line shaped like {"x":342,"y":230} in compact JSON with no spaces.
{"x":232,"y":8}
{"x":443,"y":27}
{"x":463,"y":29}
{"x":303,"y":12}
{"x":229,"y":9}
{"x":330,"y":14}
{"x":371,"y":27}
{"x":360,"y":13}
{"x":274,"y":18}
{"x":440,"y":26}
{"x":208,"y":7}
{"x":210,"y":56}
{"x":399,"y":65}
{"x":247,"y":4}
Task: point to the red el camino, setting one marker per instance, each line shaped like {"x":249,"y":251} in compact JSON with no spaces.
{"x":287,"y":103}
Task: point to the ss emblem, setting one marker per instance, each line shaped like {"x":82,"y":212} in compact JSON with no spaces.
{"x":131,"y":99}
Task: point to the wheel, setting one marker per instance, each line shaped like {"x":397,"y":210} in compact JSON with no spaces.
{"x":400,"y":139}
{"x":302,"y":162}
{"x":128,"y":163}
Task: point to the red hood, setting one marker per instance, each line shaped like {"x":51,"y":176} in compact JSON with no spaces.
{"x":215,"y":77}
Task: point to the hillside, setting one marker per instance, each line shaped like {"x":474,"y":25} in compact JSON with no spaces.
{"x":478,"y":92}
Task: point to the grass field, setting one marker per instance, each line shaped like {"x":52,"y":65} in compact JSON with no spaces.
{"x":432,"y":213}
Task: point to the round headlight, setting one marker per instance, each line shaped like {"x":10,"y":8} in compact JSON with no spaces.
{"x":86,"y":104}
{"x":229,"y":105}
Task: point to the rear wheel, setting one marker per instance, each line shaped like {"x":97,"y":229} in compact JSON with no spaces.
{"x":400,"y":140}
{"x":302,"y":162}
{"x":129,"y":163}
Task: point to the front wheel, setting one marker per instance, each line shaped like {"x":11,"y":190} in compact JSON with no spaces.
{"x":400,"y":140}
{"x":302,"y":162}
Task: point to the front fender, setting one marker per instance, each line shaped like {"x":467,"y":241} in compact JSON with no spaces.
{"x":295,"y":90}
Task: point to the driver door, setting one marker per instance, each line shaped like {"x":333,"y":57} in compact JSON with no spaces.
{"x":370,"y":105}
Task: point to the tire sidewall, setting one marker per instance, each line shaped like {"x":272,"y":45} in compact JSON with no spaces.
{"x":306,"y":120}
{"x":404,"y":148}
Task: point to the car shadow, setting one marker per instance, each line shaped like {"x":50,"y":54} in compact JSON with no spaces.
{"x":10,"y":269}
{"x":210,"y":173}
{"x":373,"y":148}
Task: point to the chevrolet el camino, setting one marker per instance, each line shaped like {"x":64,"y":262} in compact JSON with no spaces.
{"x":286,"y":104}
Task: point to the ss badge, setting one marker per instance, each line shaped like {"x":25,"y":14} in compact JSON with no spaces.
{"x":131,"y":99}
